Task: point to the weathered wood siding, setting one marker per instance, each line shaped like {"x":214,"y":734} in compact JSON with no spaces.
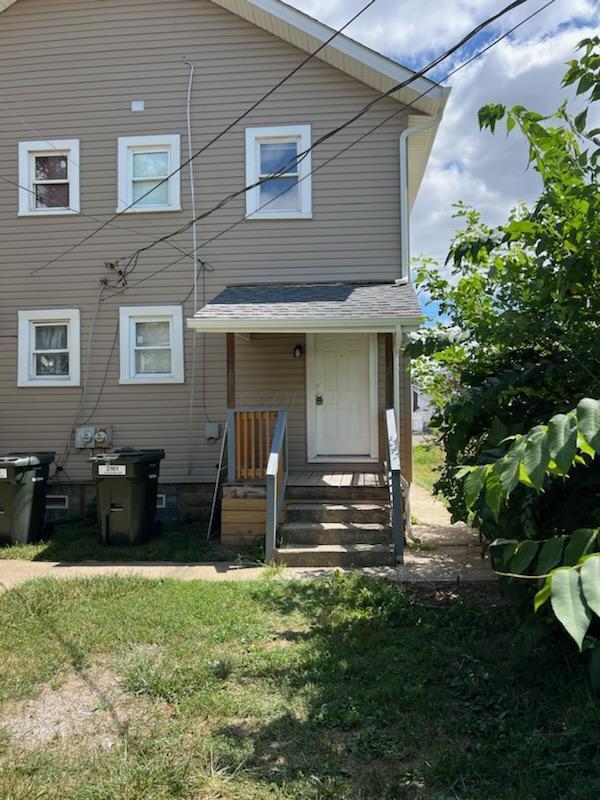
{"x":70,"y":70}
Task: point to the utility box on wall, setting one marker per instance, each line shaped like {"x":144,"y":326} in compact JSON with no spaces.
{"x":93,"y":437}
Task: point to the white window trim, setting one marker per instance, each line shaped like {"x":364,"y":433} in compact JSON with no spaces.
{"x":254,"y":136}
{"x":62,"y":506}
{"x":47,"y":147}
{"x":27,"y":319}
{"x":128,"y":315}
{"x":126,"y":145}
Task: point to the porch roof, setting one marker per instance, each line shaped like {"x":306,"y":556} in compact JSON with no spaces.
{"x":304,"y":307}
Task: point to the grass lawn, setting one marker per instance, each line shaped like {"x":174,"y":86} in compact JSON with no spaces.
{"x":427,"y":458}
{"x":79,"y":541}
{"x":342,"y":688}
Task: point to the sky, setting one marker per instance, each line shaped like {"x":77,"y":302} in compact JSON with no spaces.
{"x":486,"y":171}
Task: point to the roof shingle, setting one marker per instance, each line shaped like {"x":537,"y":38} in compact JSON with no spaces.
{"x":342,"y":301}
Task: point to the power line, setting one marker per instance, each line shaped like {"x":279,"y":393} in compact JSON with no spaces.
{"x":344,"y":150}
{"x":216,"y":138}
{"x":365,"y":135}
{"x":56,"y":204}
{"x":51,"y":144}
{"x":294,"y":161}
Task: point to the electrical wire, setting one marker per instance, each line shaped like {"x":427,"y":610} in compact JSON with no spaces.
{"x":216,"y":138}
{"x":296,"y":160}
{"x":188,"y":114}
{"x":58,"y":149}
{"x":379,"y":125}
{"x":344,"y":150}
{"x":56,"y":204}
{"x":84,"y":386}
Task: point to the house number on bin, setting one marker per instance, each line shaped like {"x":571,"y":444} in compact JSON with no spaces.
{"x":112,"y":469}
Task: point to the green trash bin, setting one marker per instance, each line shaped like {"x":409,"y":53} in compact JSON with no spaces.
{"x":23,"y":480}
{"x":126,"y":486}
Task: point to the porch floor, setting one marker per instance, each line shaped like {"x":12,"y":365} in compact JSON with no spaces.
{"x":334,"y":480}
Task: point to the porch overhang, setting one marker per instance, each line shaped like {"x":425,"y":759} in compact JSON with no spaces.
{"x":311,"y":308}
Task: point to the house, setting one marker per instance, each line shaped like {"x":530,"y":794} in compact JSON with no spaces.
{"x":422,"y":411}
{"x":285,"y":308}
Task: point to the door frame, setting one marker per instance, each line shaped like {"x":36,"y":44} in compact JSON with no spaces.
{"x":312,"y":456}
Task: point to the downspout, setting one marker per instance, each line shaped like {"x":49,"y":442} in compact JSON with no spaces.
{"x":404,"y":186}
{"x":405,"y":278}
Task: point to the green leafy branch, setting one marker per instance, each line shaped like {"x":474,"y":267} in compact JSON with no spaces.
{"x":550,"y":450}
{"x":570,"y":567}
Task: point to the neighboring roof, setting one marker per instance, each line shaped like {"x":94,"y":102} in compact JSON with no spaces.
{"x":309,"y":307}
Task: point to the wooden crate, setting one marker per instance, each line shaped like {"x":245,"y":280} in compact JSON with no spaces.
{"x":244,"y":519}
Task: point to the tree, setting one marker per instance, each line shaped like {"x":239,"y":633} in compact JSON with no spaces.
{"x":520,"y":423}
{"x":526,"y":299}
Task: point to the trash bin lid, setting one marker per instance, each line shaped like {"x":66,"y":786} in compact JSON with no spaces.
{"x":129,"y":456}
{"x":28,"y":459}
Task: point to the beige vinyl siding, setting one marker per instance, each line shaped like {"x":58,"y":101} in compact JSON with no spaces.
{"x":71,"y":70}
{"x":268,"y":376}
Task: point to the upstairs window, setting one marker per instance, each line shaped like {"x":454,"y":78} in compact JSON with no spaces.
{"x":49,"y":348}
{"x":275,"y":152}
{"x":49,"y":177}
{"x":144,"y":164}
{"x":151,"y":344}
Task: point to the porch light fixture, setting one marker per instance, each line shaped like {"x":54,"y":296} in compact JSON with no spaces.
{"x":298,"y":351}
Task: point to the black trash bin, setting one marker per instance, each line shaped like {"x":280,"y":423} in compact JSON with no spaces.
{"x":126,"y":486}
{"x":23,"y":481}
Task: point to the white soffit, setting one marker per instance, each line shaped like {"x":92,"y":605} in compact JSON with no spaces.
{"x":419,"y":150}
{"x":347,"y":55}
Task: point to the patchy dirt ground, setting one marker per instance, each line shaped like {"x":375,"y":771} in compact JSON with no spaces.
{"x":444,"y":595}
{"x":89,"y":705}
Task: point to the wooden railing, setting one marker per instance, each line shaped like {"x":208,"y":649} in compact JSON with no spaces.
{"x":257,"y":450}
{"x":395,"y":483}
{"x":277,"y":477}
{"x":249,"y":442}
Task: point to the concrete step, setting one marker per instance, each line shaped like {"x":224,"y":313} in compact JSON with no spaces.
{"x":343,"y":494}
{"x":330,"y":511}
{"x":349,"y":556}
{"x":299,"y":534}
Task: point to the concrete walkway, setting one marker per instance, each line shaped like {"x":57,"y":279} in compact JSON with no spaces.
{"x":443,"y":553}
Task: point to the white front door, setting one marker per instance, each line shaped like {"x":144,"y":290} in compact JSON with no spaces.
{"x":342,"y":396}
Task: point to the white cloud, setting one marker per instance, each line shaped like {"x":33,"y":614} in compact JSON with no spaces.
{"x":489,"y":172}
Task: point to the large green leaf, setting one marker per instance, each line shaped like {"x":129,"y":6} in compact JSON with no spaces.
{"x":588,"y":418}
{"x":524,"y":554}
{"x":473,"y":485}
{"x":494,"y":494}
{"x":582,"y":542}
{"x":568,"y":604}
{"x":537,"y":455}
{"x":501,"y":552}
{"x":590,"y":581}
{"x":562,"y":440}
{"x":507,"y":469}
{"x":550,"y":555}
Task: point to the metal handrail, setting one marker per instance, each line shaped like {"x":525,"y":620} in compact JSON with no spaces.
{"x":395,"y":484}
{"x":277,"y":478}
